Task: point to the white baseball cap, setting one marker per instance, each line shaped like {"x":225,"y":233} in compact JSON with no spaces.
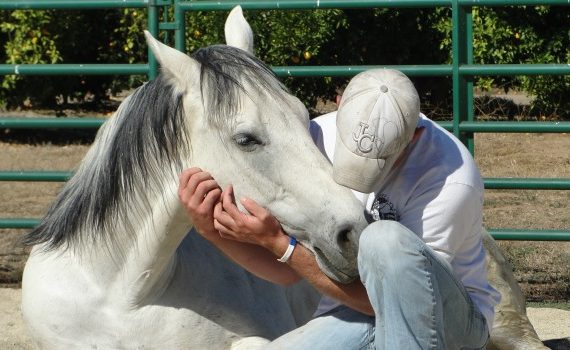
{"x":376,"y":120}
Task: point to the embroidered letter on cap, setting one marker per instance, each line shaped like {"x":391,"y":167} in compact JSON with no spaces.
{"x":364,"y":147}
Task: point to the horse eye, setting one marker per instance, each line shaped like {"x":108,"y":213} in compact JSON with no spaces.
{"x":247,"y":141}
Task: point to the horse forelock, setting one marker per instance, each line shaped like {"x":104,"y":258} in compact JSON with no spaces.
{"x":226,"y":75}
{"x":133,"y":152}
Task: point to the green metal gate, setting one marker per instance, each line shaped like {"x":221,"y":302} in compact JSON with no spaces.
{"x":461,"y":71}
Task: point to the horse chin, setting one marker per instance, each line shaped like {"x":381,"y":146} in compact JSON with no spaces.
{"x":344,"y":275}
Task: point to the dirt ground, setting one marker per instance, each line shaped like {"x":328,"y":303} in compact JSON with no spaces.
{"x":13,"y":333}
{"x":540,"y":267}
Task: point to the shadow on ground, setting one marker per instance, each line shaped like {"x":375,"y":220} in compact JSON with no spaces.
{"x":558,"y":344}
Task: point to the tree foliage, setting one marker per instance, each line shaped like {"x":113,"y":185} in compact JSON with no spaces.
{"x":282,"y":38}
{"x":521,"y":34}
{"x":69,"y":37}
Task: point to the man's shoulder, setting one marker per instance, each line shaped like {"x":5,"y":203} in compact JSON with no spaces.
{"x":439,"y":157}
{"x":325,"y":121}
{"x":323,"y":131}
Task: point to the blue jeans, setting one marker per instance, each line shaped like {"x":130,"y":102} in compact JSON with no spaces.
{"x":418,"y":302}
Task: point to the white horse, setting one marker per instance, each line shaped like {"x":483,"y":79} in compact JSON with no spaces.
{"x":113,"y":264}
{"x":512,"y":328}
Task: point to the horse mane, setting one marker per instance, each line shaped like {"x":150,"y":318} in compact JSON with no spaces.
{"x":225,"y":74}
{"x":137,"y":149}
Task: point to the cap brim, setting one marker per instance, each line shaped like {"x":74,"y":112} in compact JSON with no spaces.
{"x":354,"y":171}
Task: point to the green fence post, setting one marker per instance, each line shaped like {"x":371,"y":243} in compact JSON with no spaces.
{"x":459,"y":57}
{"x":165,"y":23}
{"x":179,"y":33}
{"x":153,"y":29}
{"x":470,"y":138}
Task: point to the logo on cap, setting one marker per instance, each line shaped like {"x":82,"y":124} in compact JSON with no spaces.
{"x":364,"y":141}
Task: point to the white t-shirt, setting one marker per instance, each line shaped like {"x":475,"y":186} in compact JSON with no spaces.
{"x":437,"y":193}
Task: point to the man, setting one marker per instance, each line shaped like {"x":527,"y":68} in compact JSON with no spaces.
{"x":422,"y":265}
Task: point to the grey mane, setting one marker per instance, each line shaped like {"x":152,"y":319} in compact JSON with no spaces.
{"x":146,"y":139}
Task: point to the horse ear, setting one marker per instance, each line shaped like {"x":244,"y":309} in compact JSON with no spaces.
{"x":179,"y":65}
{"x":238,"y":32}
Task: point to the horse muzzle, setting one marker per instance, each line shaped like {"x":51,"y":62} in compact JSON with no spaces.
{"x":338,"y":258}
{"x":342,"y":273}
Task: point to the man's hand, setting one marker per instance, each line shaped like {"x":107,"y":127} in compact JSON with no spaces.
{"x":199,"y":192}
{"x":258,"y":227}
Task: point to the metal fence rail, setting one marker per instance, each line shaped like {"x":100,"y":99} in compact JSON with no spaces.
{"x":461,"y":71}
{"x":74,"y":69}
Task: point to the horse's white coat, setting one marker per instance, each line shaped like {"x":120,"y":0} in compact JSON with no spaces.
{"x":511,"y":328}
{"x":238,"y":32}
{"x":163,"y":288}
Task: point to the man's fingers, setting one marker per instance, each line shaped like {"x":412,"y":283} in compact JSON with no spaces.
{"x":212,"y":197}
{"x":222,"y":217}
{"x":192,"y":182}
{"x":229,"y":194}
{"x":228,"y":202}
{"x":253,"y":208}
{"x":223,"y":230}
{"x":204,"y":187}
{"x":218,"y":209}
{"x":185,"y":176}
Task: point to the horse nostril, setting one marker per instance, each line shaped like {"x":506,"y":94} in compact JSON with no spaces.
{"x":343,"y":237}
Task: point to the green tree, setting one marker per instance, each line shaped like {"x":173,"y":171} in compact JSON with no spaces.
{"x":514,"y":34}
{"x":521,"y":34}
{"x":282,"y":38}
{"x":28,"y":40}
{"x":69,"y":37}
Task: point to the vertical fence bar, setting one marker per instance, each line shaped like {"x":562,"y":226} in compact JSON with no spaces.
{"x":179,"y":33}
{"x":153,"y":29}
{"x":469,"y":80}
{"x":165,"y":21}
{"x":459,"y":57}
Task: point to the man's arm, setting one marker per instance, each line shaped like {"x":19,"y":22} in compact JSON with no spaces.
{"x":352,"y":295}
{"x":256,"y":241}
{"x":262,"y":229}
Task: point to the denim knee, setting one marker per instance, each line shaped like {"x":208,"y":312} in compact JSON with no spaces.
{"x":383,"y":245}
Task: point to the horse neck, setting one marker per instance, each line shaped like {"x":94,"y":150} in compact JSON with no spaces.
{"x":152,"y":258}
{"x":141,"y":261}
{"x":137,"y":251}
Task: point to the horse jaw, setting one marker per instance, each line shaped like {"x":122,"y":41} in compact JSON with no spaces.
{"x":238,"y":32}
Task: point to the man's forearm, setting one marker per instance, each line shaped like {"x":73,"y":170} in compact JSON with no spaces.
{"x":255,"y":259}
{"x":263,"y":263}
{"x":304,"y":263}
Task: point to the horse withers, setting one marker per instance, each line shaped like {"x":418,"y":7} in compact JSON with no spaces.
{"x":113,"y":264}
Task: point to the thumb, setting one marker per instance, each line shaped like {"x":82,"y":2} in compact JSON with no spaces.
{"x":253,"y":208}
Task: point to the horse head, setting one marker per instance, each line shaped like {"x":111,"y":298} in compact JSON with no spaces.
{"x":247,"y":130}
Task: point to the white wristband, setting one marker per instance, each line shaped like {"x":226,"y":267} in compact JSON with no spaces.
{"x":289,"y":251}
